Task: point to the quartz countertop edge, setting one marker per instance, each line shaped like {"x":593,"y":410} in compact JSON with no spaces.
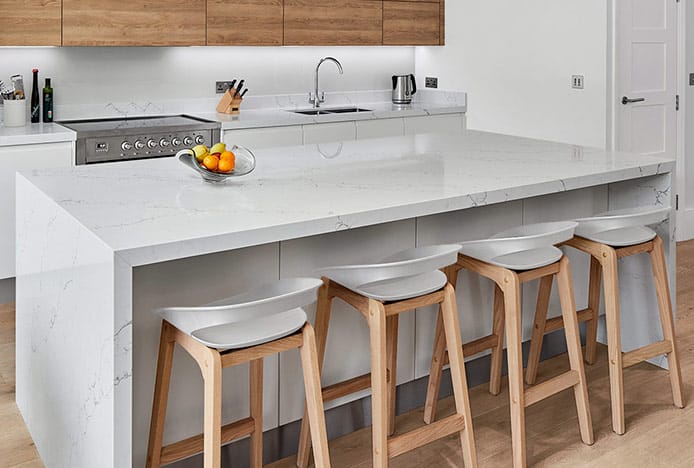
{"x":35,"y":133}
{"x":157,"y":210}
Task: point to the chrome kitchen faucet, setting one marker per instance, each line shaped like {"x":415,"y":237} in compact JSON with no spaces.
{"x":317,"y":97}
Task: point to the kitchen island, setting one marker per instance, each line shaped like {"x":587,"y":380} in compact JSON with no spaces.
{"x":99,"y":247}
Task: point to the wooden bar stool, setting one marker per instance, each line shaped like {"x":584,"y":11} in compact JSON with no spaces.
{"x":243,"y":328}
{"x":607,"y":238}
{"x":381,"y":292}
{"x":509,"y":259}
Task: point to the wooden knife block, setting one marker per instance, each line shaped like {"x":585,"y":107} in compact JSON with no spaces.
{"x":230,"y":103}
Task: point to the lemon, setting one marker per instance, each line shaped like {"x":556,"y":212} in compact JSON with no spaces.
{"x":200,"y":152}
{"x":218,"y":148}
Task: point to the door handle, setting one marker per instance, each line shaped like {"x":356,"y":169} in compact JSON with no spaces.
{"x":626,"y":100}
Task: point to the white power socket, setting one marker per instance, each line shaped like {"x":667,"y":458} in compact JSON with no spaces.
{"x":577,"y":81}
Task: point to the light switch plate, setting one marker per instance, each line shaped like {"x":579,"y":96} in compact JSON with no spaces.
{"x":691,"y":79}
{"x":222,"y":86}
{"x":577,"y":81}
{"x":431,"y":82}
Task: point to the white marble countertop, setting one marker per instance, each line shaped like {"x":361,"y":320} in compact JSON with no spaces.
{"x":257,"y":112}
{"x":35,"y":133}
{"x":156,"y":210}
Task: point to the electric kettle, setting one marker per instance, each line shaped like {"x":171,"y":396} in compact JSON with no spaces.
{"x":404,"y":87}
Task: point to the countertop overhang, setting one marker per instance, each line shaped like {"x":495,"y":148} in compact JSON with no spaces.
{"x":156,"y":210}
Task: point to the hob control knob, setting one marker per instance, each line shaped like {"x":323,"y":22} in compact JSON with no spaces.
{"x":164,"y":143}
{"x":139,"y":145}
{"x":176,"y":141}
{"x":199,"y":139}
{"x":126,"y":146}
{"x":151,"y":144}
{"x":187,"y":141}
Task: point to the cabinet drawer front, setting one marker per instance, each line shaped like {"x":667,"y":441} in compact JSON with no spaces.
{"x":244,"y":22}
{"x":333,"y":22}
{"x":31,"y":22}
{"x":127,"y":23}
{"x":411,"y":23}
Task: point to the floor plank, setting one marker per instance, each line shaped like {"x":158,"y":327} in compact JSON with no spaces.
{"x":658,"y":434}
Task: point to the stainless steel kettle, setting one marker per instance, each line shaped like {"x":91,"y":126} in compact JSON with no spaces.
{"x":404,"y":86}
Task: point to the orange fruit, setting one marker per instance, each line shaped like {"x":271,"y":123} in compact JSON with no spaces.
{"x":211,"y":162}
{"x":225,"y":165}
{"x":227,"y":155}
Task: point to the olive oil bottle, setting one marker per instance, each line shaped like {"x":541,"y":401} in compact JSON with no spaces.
{"x":48,"y":101}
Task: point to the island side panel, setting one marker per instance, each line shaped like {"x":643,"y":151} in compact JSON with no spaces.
{"x":188,"y":282}
{"x":638,"y":304}
{"x":64,"y":332}
{"x":347,"y":353}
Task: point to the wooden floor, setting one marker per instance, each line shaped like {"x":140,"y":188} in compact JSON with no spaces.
{"x":658,"y":434}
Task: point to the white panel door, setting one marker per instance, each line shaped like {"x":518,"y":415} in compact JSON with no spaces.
{"x":379,"y":128}
{"x":445,"y":123}
{"x":647,"y":76}
{"x":329,"y":132}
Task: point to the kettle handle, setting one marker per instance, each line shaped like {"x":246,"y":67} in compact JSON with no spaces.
{"x":395,"y":81}
{"x":414,"y":84}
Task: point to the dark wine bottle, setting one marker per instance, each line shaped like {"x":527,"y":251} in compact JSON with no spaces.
{"x":48,"y":101}
{"x":35,"y":98}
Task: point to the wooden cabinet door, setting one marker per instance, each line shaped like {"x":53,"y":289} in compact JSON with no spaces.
{"x":333,"y":22}
{"x":244,"y":22}
{"x":411,"y":23}
{"x":30,"y":23}
{"x":134,"y":22}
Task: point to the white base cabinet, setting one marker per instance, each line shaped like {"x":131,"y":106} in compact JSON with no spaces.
{"x":272,"y":137}
{"x":23,"y":158}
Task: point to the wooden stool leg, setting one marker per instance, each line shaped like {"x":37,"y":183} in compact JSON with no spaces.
{"x":594,"y":306}
{"x":323,"y":308}
{"x":449,"y":312}
{"x":314,"y":398}
{"x":392,"y":363}
{"x":514,"y":351}
{"x":379,"y":384}
{"x":497,"y":357}
{"x":161,"y":396}
{"x":662,"y":289}
{"x":573,"y":345}
{"x":435,"y":371}
{"x":614,"y":339}
{"x":438,"y":355}
{"x":212,"y":375}
{"x":541,"y":308}
{"x":256,"y":391}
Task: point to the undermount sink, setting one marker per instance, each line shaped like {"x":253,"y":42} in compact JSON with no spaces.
{"x":339,"y":110}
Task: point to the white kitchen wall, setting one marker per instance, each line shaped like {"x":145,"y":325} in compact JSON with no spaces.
{"x":118,"y":74}
{"x":689,"y":124}
{"x":515,"y":61}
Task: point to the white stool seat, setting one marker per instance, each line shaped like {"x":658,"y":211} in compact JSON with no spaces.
{"x":622,"y":228}
{"x":522,"y":248}
{"x":406,"y":274}
{"x":265,"y":314}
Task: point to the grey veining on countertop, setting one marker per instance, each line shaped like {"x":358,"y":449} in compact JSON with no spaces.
{"x":156,"y":210}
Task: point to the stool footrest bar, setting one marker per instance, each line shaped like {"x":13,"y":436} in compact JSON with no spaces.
{"x":632,"y":358}
{"x":554,"y":385}
{"x":476,"y":346}
{"x":347,"y":387}
{"x":557,"y":323}
{"x":424,"y":435}
{"x":194,"y":445}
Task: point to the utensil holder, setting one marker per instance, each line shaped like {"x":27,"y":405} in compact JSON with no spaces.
{"x":230,"y":103}
{"x":15,"y":113}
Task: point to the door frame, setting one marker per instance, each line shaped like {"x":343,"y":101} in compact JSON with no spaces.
{"x":684,"y":218}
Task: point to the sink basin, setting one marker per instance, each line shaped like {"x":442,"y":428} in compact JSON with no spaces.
{"x":337,"y":110}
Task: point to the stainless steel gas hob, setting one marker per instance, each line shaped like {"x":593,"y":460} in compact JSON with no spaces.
{"x":122,"y":139}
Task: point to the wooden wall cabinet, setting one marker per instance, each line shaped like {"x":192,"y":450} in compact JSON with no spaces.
{"x":411,"y":22}
{"x":245,"y":22}
{"x":134,"y":22}
{"x":30,"y":23}
{"x":333,"y":22}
